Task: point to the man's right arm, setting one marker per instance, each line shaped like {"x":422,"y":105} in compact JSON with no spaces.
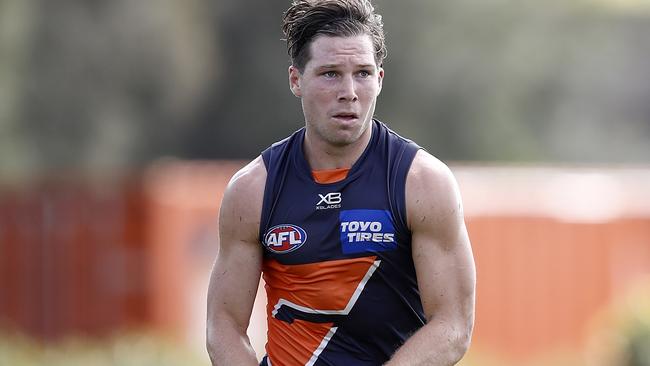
{"x":236,"y":273}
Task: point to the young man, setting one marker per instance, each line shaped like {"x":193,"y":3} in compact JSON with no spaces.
{"x":358,"y":232}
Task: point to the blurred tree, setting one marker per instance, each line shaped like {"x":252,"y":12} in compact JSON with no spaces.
{"x":638,"y":349}
{"x":251,"y":106}
{"x":620,"y":335}
{"x":108,"y":85}
{"x":16,"y":27}
{"x":511,"y":80}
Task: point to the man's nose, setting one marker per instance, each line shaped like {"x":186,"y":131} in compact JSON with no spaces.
{"x":347,"y":89}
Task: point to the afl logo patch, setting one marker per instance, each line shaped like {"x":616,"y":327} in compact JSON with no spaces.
{"x":284,"y":238}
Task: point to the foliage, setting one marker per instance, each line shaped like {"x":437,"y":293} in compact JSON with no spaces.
{"x":621,"y":334}
{"x":104,"y":85}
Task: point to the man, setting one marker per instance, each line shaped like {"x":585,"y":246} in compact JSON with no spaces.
{"x":358,"y":232}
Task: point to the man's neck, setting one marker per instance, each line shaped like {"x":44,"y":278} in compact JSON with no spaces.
{"x":324,"y":156}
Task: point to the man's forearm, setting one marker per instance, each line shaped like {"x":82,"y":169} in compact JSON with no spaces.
{"x":228,"y":346}
{"x":436,"y":344}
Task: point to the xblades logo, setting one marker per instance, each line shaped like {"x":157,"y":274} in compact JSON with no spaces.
{"x":330,"y":200}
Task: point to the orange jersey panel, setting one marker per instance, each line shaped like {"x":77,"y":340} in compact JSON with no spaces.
{"x":301,"y":298}
{"x":330,"y":175}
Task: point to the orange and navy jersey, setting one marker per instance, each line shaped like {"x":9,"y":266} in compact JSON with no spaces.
{"x":340,"y":279}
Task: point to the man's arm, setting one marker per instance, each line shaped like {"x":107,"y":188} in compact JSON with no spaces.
{"x":444,"y":265}
{"x":236,"y":273}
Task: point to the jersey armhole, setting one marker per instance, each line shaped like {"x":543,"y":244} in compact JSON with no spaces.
{"x":397,"y":184}
{"x":273,"y":158}
{"x":264,"y":216}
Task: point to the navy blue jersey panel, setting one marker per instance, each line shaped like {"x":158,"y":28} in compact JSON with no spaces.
{"x":364,"y":215}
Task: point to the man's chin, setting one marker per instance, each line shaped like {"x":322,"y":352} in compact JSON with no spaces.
{"x":345,"y":139}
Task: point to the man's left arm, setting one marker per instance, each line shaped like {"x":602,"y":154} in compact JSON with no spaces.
{"x":444,"y":265}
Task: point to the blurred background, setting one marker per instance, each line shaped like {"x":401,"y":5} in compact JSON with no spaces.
{"x":122,"y":121}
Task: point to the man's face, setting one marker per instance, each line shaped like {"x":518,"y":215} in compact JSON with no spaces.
{"x":338,"y":88}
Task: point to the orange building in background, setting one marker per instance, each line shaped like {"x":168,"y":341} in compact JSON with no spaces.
{"x":553,"y":246}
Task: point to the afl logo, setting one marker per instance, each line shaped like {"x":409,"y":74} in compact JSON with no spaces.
{"x":285,"y":238}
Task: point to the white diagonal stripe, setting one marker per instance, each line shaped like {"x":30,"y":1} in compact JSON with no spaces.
{"x":345,"y":311}
{"x":353,"y":299}
{"x":321,"y":346}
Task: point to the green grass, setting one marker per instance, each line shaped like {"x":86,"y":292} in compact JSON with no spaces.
{"x":128,"y":349}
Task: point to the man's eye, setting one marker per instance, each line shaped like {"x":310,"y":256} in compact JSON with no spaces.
{"x":364,"y":73}
{"x":329,"y":74}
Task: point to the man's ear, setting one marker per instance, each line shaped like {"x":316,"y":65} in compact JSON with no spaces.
{"x":380,"y":78}
{"x":294,"y":81}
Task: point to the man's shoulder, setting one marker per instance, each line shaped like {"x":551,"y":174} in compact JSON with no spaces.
{"x":246,"y":187}
{"x":242,"y":201}
{"x":431,"y":190}
{"x":426,"y":166}
{"x":249,"y":177}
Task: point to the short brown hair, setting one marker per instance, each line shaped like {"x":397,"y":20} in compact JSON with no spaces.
{"x":307,"y":19}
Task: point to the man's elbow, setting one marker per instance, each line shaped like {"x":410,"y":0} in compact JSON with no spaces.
{"x":216,"y":340}
{"x":210,"y":344}
{"x":460,"y":344}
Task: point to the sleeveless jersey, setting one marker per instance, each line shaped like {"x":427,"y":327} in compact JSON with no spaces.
{"x":340,"y":278}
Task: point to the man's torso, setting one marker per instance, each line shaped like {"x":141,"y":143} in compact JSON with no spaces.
{"x":339,"y":274}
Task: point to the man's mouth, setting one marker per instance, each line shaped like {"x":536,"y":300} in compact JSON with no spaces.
{"x":346,"y":116}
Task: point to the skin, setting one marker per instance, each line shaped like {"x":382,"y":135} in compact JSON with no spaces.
{"x":338,"y":89}
{"x":444,"y":265}
{"x":236,"y":273}
{"x":340,"y":78}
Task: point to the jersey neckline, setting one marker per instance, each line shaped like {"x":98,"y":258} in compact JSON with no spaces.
{"x":355,"y":169}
